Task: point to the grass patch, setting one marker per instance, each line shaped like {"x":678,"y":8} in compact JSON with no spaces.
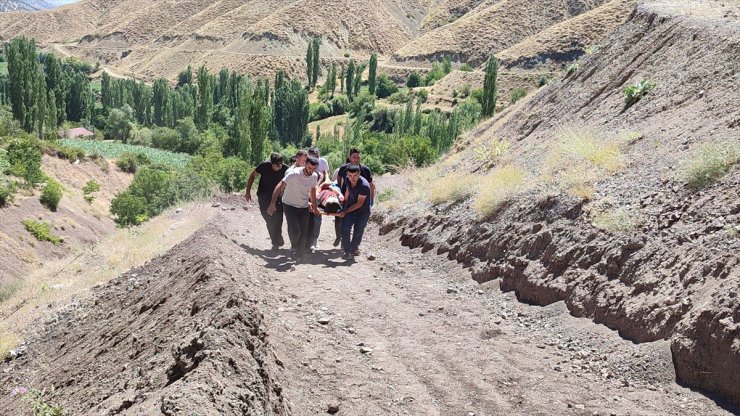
{"x":581,"y":145}
{"x":488,"y":154}
{"x":8,"y":289}
{"x":386,"y":195}
{"x":497,"y":188}
{"x":7,"y":342}
{"x":113,"y":150}
{"x":42,"y":231}
{"x":451,"y":188}
{"x":710,"y":163}
{"x":617,"y":220}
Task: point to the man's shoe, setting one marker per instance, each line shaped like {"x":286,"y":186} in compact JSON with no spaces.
{"x":293,"y":254}
{"x":275,"y":247}
{"x":347,"y":256}
{"x":356,"y":252}
{"x":337,"y":241}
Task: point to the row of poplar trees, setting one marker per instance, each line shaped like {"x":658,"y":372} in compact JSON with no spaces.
{"x":42,"y":90}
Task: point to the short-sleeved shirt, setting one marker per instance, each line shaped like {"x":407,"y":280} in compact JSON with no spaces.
{"x":362,"y":188}
{"x":323,"y":166}
{"x":298,"y":187}
{"x":364,"y":172}
{"x":269,"y":178}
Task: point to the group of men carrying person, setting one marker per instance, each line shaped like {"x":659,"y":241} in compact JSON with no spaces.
{"x":305,"y":191}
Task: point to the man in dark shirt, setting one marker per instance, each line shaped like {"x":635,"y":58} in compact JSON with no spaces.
{"x":353,"y":159}
{"x":356,"y":214}
{"x":271,"y":173}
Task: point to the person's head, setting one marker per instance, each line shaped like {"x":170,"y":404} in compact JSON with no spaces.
{"x":354,"y":156}
{"x":311,"y":164}
{"x":332,"y":204}
{"x":353,"y":174}
{"x":300,"y":158}
{"x":276,"y":160}
{"x":315,"y":152}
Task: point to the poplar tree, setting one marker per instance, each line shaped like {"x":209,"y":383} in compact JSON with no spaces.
{"x":372,"y":73}
{"x":106,"y":97}
{"x":349,"y":81}
{"x":341,"y":80}
{"x":488,"y":100}
{"x":316,"y":62}
{"x":309,"y":64}
{"x":205,"y":99}
{"x":331,"y":82}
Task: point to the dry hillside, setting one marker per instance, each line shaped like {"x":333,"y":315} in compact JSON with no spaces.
{"x":604,"y":219}
{"x":152,"y":39}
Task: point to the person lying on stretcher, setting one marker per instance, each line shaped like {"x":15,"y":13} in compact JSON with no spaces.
{"x":330,"y":198}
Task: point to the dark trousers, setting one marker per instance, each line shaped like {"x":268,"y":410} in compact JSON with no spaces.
{"x":314,"y":229}
{"x":275,"y":221}
{"x":353,"y":227}
{"x":297,"y":219}
{"x":338,"y":227}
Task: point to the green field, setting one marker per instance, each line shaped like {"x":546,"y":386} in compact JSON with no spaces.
{"x":113,"y":150}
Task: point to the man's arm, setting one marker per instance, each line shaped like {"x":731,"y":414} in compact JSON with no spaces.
{"x":357,"y":205}
{"x":372,"y":191}
{"x":314,"y":205}
{"x":250,"y":182}
{"x":275,"y":195}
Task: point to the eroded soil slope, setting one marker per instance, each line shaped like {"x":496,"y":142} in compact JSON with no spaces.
{"x":676,"y":274}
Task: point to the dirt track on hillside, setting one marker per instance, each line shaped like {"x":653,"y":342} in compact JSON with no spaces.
{"x":220,"y":325}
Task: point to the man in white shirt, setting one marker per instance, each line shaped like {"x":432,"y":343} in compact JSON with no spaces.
{"x":314,"y":223}
{"x":299,"y":203}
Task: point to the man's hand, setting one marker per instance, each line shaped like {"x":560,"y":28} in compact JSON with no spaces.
{"x":341,"y":214}
{"x":248,"y":196}
{"x":271,"y":209}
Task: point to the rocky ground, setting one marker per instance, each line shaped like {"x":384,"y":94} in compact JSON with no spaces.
{"x":223,"y":325}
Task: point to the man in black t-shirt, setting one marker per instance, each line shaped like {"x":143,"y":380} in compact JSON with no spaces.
{"x":354,"y":159}
{"x":271,"y":173}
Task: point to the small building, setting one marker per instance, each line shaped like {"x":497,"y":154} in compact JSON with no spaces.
{"x":79,"y":132}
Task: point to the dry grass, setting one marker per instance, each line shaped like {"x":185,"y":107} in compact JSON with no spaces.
{"x":614,"y":219}
{"x":709,"y":163}
{"x":497,"y":188}
{"x":451,"y":188}
{"x":488,"y":154}
{"x":8,"y":341}
{"x":579,"y":158}
{"x":60,"y":280}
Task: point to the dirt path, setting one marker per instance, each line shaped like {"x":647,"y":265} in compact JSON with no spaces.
{"x":412,"y":333}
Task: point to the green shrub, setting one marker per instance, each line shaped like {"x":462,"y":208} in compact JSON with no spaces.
{"x":155,"y":186}
{"x":42,"y":231}
{"x":400,"y":97}
{"x":434,"y":75}
{"x":165,"y":138}
{"x":466,"y":68}
{"x":6,"y":291}
{"x":710,"y":163}
{"x":544,"y":80}
{"x":413,"y":80}
{"x":422,"y":95}
{"x":339,"y":104}
{"x":385,"y":87}
{"x":24,"y":157}
{"x":52,"y":194}
{"x":54,"y":148}
{"x":634,"y":93}
{"x":319,"y":111}
{"x":90,"y":187}
{"x":4,"y":163}
{"x":386,"y":195}
{"x":40,"y":406}
{"x":364,"y":102}
{"x":517,"y":94}
{"x":232,"y":174}
{"x":465,"y":91}
{"x":7,"y":192}
{"x":131,"y":162}
{"x":129,"y":209}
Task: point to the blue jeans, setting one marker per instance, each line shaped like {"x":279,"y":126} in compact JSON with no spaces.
{"x":359,"y":222}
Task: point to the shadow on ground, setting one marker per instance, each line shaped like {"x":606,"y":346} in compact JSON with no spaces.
{"x":279,"y":260}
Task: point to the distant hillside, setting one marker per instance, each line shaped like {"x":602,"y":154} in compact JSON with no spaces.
{"x":152,"y":39}
{"x":23,"y":5}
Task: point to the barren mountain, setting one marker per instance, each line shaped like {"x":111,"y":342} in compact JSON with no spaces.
{"x":634,"y":248}
{"x":18,"y":5}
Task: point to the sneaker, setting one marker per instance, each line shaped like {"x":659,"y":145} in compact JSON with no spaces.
{"x":293,"y":254}
{"x":356,"y":252}
{"x":347,"y":256}
{"x":337,"y":241}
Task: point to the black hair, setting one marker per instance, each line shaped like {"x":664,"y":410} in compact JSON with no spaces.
{"x":312,"y":160}
{"x":293,"y":159}
{"x":276,"y":158}
{"x":301,"y":153}
{"x":354,"y":150}
{"x":353,"y":168}
{"x":313,"y":151}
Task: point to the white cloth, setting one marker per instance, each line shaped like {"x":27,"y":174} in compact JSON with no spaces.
{"x":298,"y":187}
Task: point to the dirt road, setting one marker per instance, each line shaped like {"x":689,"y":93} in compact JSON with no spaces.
{"x":221,"y":325}
{"x":412,"y":333}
